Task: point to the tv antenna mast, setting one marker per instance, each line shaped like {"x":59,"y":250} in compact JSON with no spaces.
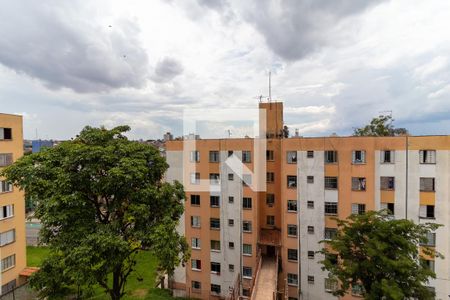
{"x":270,"y":86}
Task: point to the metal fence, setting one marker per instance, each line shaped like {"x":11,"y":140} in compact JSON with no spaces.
{"x":22,"y":292}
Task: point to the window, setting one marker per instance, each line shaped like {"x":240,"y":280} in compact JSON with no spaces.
{"x":215,"y":245}
{"x":214,"y":156}
{"x":7,"y":237}
{"x":309,"y":179}
{"x":215,"y":267}
{"x":331,"y":183}
{"x":195,"y":221}
{"x":269,"y":155}
{"x":230,"y":176}
{"x":311,"y":254}
{"x":292,"y":279}
{"x":196,"y":285}
{"x":195,"y":178}
{"x":389,"y":207}
{"x":426,"y":212}
{"x":246,"y":156}
{"x":246,"y":179}
{"x":331,"y":157}
{"x":231,"y":245}
{"x":214,"y":223}
{"x":358,"y":183}
{"x":5,"y":186}
{"x":292,"y":230}
{"x":358,"y":209}
{"x":247,"y":272}
{"x":247,"y":249}
{"x":359,"y":157}
{"x":196,"y":264}
{"x":214,"y":201}
{"x":291,"y":181}
{"x":357,"y":289}
{"x":6,"y":211}
{"x":331,"y":285}
{"x":246,"y":292}
{"x":270,"y":199}
{"x":292,"y":254}
{"x":427,"y":156}
{"x":387,"y":157}
{"x":428,"y":264}
{"x":292,"y":205}
{"x":247,"y":226}
{"x":230,"y":222}
{"x":231,"y":199}
{"x":431,"y":240}
{"x":195,"y":243}
{"x":291,"y":157}
{"x":270,"y":220}
{"x":310,"y":279}
{"x":195,"y":156}
{"x":310,"y":154}
{"x":331,"y":208}
{"x":330,"y":233}
{"x":5,"y":134}
{"x":427,"y":184}
{"x":195,"y":200}
{"x":8,"y":262}
{"x":215,"y":288}
{"x":310,"y":204}
{"x":214,"y":178}
{"x":231,"y":268}
{"x":6,"y":159}
{"x":311,"y":229}
{"x":387,"y":183}
{"x":247,"y":202}
{"x":270,"y":176}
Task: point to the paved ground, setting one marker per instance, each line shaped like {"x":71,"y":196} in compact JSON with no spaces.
{"x":267,"y":278}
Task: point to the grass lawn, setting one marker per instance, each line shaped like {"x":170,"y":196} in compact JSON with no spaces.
{"x":136,"y":289}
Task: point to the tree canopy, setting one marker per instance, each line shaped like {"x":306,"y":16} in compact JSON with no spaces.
{"x":101,"y":200}
{"x":380,"y":257}
{"x":380,"y":126}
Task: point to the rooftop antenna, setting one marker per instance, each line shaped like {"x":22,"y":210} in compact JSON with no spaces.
{"x":260,"y":97}
{"x":270,"y":87}
{"x":229,"y":133}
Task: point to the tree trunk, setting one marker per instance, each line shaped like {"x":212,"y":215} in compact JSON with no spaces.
{"x":115,"y":292}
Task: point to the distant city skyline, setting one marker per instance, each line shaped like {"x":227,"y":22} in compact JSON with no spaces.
{"x":335,"y":64}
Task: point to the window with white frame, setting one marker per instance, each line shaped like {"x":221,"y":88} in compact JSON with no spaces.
{"x":214,"y":201}
{"x":247,"y":203}
{"x":6,"y":159}
{"x":387,"y":157}
{"x":195,"y":200}
{"x":215,"y":245}
{"x":196,"y":285}
{"x":195,"y":243}
{"x":269,"y":155}
{"x":8,"y":262}
{"x":331,"y":183}
{"x":331,"y":208}
{"x":215,"y":267}
{"x":195,"y":221}
{"x":5,"y":133}
{"x":291,"y":181}
{"x":358,"y":156}
{"x":331,"y":285}
{"x":426,"y":212}
{"x":358,"y":183}
{"x":194,"y":156}
{"x":292,"y":279}
{"x":196,"y":264}
{"x":292,"y":254}
{"x":431,"y":240}
{"x":387,"y":183}
{"x":270,"y":199}
{"x":292,"y":230}
{"x":246,"y":226}
{"x":291,"y":157}
{"x":311,"y":254}
{"x":246,"y":156}
{"x":390,"y":207}
{"x":214,"y":223}
{"x":309,"y":154}
{"x":230,"y":222}
{"x":330,"y":233}
{"x":270,"y":177}
{"x":6,"y":211}
{"x":230,"y":176}
{"x":5,"y":186}
{"x":310,"y":204}
{"x":195,"y":178}
{"x":309,"y":179}
{"x":358,"y":208}
{"x":331,"y":157}
{"x":270,"y":220}
{"x":247,"y":249}
{"x":427,"y":156}
{"x":310,"y":279}
{"x":7,"y":237}
{"x":292,"y":205}
{"x":247,"y":272}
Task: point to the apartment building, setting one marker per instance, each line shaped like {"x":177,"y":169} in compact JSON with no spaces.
{"x":240,"y":236}
{"x":12,"y":207}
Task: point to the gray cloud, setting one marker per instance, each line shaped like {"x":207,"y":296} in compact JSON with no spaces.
{"x":60,"y":43}
{"x":296,"y":28}
{"x":167,"y":69}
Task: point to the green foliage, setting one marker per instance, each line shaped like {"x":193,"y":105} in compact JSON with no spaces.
{"x":382,"y":255}
{"x":101,"y":201}
{"x":380,"y":126}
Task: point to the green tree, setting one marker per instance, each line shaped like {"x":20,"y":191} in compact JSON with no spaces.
{"x":381,"y":255}
{"x":380,"y":126}
{"x":102,"y":199}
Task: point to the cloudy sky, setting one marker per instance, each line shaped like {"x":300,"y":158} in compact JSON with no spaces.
{"x":335,"y":64}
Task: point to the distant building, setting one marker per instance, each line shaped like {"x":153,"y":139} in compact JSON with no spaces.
{"x":168,"y":136}
{"x":37,"y":145}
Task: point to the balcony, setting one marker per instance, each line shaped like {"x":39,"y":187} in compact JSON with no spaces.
{"x":270,"y":237}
